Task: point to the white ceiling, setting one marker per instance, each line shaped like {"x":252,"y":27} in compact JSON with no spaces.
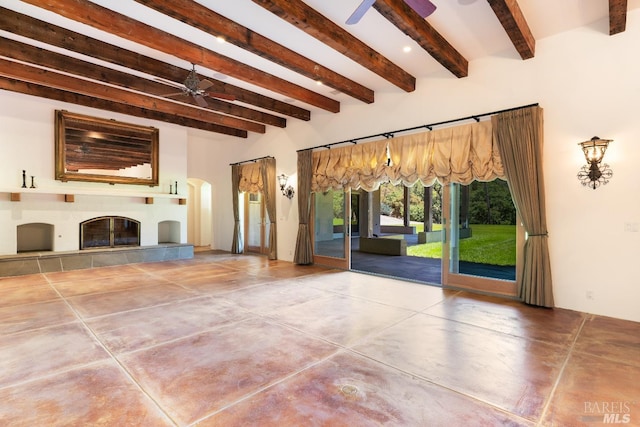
{"x":472,"y":29}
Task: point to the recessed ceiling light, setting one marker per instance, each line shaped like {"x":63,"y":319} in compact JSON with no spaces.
{"x":406,"y":49}
{"x":220,"y":39}
{"x":319,"y":83}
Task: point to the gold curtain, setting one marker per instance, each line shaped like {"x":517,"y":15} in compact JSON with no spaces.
{"x":268,"y":173}
{"x":304,"y":249}
{"x":519,"y":136}
{"x":236,"y":245}
{"x":455,"y":154}
{"x":351,"y":167}
{"x":458,"y":154}
{"x":250,"y":178}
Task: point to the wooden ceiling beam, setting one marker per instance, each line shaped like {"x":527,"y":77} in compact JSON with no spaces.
{"x":315,"y":24}
{"x":617,"y":16}
{"x":38,"y":56}
{"x":515,"y":24}
{"x":409,"y":22}
{"x":109,"y":142}
{"x":198,"y":16}
{"x":104,"y":19}
{"x":31,"y":74}
{"x":35,"y":29}
{"x":42,"y":91}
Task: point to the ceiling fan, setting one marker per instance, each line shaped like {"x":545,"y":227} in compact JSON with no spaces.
{"x":193,"y":86}
{"x":423,"y":8}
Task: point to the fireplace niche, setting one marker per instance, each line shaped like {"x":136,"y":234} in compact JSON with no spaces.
{"x":109,"y":232}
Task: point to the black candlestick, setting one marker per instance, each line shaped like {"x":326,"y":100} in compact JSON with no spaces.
{"x":32,"y":185}
{"x":24,"y":179}
{"x":176,"y":187}
{"x":170,"y":188}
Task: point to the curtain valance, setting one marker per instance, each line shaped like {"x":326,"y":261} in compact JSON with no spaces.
{"x":250,"y":178}
{"x":354,"y":166}
{"x":455,"y":154}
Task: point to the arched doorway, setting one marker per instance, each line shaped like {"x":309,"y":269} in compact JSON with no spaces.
{"x":199,"y":213}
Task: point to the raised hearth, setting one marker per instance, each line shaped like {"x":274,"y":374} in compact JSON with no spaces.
{"x":47,"y":262}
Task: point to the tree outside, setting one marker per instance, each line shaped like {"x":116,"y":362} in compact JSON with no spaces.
{"x":489,"y":202}
{"x":490,"y":213}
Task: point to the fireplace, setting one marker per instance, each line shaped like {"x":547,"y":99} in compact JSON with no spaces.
{"x":109,"y":232}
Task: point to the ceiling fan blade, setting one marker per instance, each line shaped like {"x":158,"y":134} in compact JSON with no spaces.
{"x":200,"y":100}
{"x":173,"y":94}
{"x":219,"y":95}
{"x":204,"y":84}
{"x":423,"y":8}
{"x":359,"y":12}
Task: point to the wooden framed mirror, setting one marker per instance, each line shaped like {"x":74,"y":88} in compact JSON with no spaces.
{"x":101,"y":150}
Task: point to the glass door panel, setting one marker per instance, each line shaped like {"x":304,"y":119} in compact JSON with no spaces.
{"x":254,"y":223}
{"x":95,"y":233}
{"x":482,"y":237}
{"x":331,"y":228}
{"x":125,"y":232}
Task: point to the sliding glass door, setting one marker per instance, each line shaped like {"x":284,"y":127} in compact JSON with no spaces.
{"x":483,"y":238}
{"x":332,"y":228}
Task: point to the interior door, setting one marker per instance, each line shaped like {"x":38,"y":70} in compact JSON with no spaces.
{"x":254,"y":223}
{"x":477,"y":254}
{"x":332,"y":228}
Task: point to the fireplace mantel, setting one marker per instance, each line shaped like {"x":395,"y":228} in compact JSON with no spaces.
{"x":68,"y":194}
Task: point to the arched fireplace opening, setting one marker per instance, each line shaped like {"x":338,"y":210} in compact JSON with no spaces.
{"x":109,"y":232}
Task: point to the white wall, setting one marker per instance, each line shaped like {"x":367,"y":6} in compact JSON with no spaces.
{"x":587,"y":83}
{"x":585,"y":80}
{"x":27,"y":143}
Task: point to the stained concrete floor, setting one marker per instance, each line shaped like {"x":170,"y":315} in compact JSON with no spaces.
{"x":237,"y":340}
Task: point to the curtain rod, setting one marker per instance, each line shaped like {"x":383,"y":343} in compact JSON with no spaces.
{"x":430,"y":126}
{"x":252,"y":160}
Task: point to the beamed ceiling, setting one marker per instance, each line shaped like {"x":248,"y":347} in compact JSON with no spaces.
{"x":268,"y":61}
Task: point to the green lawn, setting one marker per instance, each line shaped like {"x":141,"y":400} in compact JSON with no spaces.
{"x":490,"y":244}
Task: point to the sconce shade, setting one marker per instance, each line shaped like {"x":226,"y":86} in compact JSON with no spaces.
{"x":282,"y":180}
{"x":594,"y":149}
{"x":595,"y":173}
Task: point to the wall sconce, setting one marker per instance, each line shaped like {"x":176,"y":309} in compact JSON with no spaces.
{"x":595,"y":173}
{"x":288,"y":192}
